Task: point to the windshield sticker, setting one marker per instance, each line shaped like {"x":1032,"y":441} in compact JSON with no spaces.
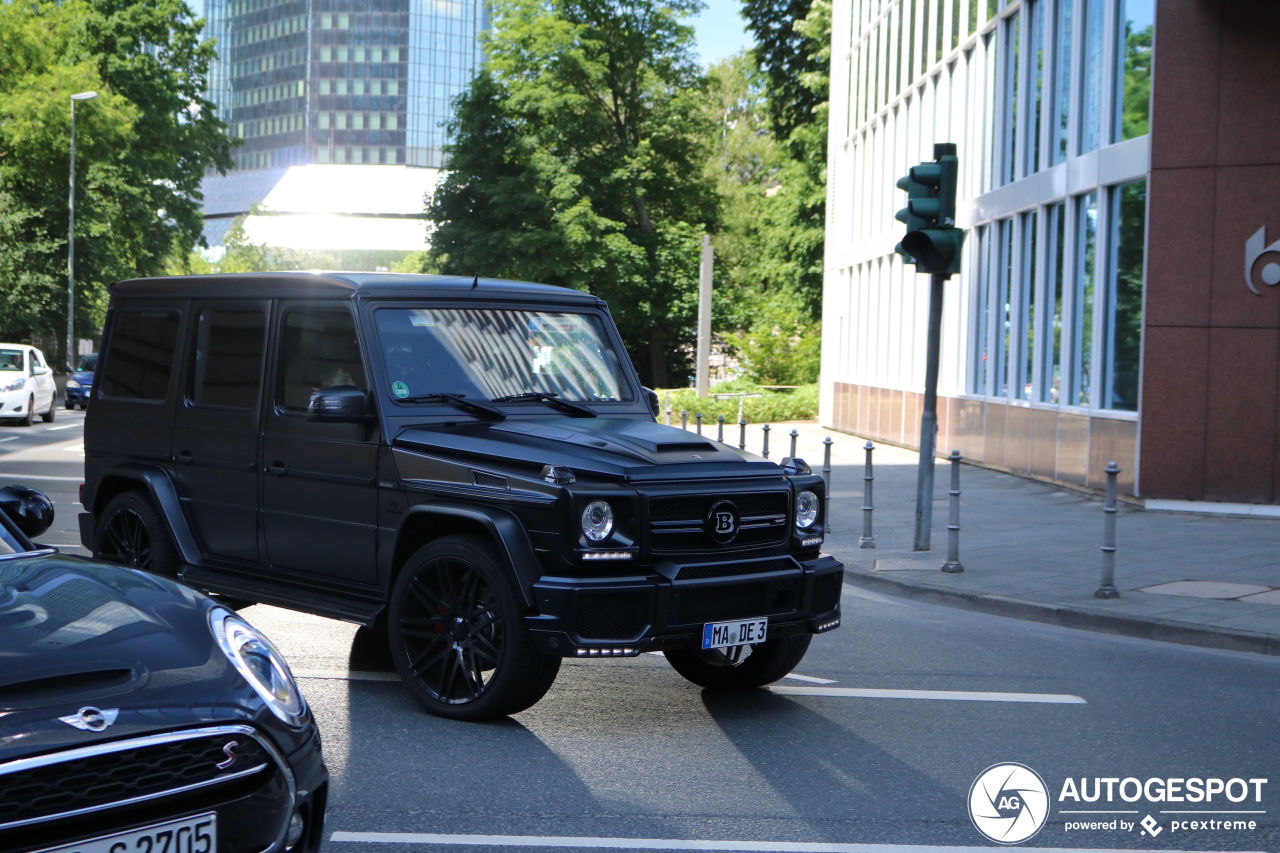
{"x":400,"y":389}
{"x":421,"y":321}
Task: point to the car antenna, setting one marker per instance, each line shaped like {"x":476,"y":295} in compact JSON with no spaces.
{"x":475,"y":282}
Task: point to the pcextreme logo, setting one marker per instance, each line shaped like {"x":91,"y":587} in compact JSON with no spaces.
{"x":1254,"y":248}
{"x":1008,"y":803}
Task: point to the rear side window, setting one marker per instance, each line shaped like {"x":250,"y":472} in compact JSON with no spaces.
{"x":318,"y":350}
{"x":139,"y":358}
{"x":228,"y":364}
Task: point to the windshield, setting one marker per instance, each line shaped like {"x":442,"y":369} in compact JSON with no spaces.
{"x":489,"y":353}
{"x":10,"y":359}
{"x":88,"y":363}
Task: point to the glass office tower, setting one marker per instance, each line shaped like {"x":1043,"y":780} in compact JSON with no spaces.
{"x":341,"y":81}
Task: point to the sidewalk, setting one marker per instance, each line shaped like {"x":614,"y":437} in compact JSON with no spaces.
{"x":1031,"y":550}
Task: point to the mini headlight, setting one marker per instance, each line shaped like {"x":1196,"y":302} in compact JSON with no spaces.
{"x":14,"y":385}
{"x":71,"y":383}
{"x":806,"y":509}
{"x":597,"y":521}
{"x":261,"y":664}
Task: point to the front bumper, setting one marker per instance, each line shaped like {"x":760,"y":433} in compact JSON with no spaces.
{"x":666,"y":609}
{"x":14,"y":403}
{"x":78,"y":395}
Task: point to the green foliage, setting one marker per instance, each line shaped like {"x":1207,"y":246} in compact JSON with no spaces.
{"x":783,"y":346}
{"x":1135,"y":119}
{"x":243,"y":255}
{"x":785,"y":53}
{"x":799,"y":404}
{"x":577,"y":160}
{"x":142,"y":148}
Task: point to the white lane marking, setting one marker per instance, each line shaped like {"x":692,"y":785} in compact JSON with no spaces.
{"x":64,"y":426}
{"x":11,"y":438}
{"x":40,"y":477}
{"x":345,"y":675}
{"x":810,"y":678}
{"x":674,"y":844}
{"x":952,"y":695}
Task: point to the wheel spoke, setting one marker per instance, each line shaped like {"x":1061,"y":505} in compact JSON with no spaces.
{"x":426,"y":659}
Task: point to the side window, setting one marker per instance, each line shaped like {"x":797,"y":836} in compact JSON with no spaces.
{"x":318,"y":350}
{"x":228,"y":360}
{"x":32,"y":362}
{"x":139,"y":358}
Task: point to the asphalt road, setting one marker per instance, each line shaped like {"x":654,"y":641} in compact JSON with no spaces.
{"x":49,"y":457}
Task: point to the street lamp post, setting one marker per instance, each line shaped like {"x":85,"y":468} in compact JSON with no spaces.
{"x":71,"y":237}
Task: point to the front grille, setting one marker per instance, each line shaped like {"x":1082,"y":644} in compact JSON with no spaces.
{"x":826,"y":592}
{"x":737,"y":601}
{"x":677,"y":523}
{"x":727,"y":570}
{"x":90,"y":778}
{"x":612,"y":615}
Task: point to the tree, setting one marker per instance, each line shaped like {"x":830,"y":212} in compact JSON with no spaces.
{"x":577,"y":159}
{"x":787,"y":56}
{"x":242,"y":255}
{"x":142,"y":148}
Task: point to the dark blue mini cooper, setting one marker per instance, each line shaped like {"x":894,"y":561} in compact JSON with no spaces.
{"x":137,"y":715}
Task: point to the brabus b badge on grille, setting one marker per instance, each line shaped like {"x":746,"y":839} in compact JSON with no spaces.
{"x":90,"y":719}
{"x":722,"y":522}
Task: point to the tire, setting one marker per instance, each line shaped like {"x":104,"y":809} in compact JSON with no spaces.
{"x":29,"y":419}
{"x":457,"y":634}
{"x":70,"y":406}
{"x":763,"y":664}
{"x":132,"y":532}
{"x":48,"y":416}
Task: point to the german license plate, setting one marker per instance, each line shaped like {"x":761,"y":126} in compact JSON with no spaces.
{"x":723,"y":635}
{"x":189,"y":835}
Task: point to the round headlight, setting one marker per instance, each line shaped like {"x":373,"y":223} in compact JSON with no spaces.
{"x":597,"y":521}
{"x":261,"y":664}
{"x":806,"y":509}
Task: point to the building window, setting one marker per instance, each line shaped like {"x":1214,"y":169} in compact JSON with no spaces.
{"x":1027,"y":307}
{"x":1133,"y":68}
{"x":1127,"y":267}
{"x":1035,"y":83}
{"x":982,"y":309}
{"x":1011,"y":78}
{"x":1051,"y":335}
{"x":1091,"y":76}
{"x":1006,"y":361}
{"x":1061,"y":80}
{"x":1083,"y":299}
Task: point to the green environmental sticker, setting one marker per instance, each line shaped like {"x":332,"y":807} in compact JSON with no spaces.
{"x":400,"y":389}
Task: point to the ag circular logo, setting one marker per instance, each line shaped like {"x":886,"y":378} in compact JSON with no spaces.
{"x":1008,"y":803}
{"x":722,"y":522}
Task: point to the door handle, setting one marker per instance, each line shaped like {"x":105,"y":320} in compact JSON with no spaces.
{"x":276,"y":470}
{"x":185,"y":457}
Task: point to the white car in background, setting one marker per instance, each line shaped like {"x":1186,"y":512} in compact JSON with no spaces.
{"x":26,"y":384}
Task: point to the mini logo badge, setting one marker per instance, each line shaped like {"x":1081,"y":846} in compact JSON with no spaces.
{"x":1008,"y":803}
{"x":90,"y":719}
{"x":722,"y":522}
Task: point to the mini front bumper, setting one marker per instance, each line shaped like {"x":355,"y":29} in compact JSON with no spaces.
{"x":667,"y":608}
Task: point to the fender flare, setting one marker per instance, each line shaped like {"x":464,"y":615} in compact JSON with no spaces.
{"x":165,"y":494}
{"x":506,"y":531}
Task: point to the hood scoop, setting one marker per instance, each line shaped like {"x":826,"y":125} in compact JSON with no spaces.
{"x":48,"y":689}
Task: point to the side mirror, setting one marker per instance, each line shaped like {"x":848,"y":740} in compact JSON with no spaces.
{"x":339,"y":404}
{"x":655,"y":405}
{"x":29,"y":509}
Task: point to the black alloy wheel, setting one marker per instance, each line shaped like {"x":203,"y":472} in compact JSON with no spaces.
{"x":740,"y":667}
{"x":458,"y":637}
{"x":131,"y":532}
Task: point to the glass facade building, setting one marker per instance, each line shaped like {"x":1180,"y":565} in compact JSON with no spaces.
{"x":1049,"y":104}
{"x":341,"y":81}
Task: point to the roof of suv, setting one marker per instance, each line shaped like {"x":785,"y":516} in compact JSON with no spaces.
{"x":324,"y":283}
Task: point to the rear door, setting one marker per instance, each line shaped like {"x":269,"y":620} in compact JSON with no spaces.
{"x":318,"y":484}
{"x":216,"y":426}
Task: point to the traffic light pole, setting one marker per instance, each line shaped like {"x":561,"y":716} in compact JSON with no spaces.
{"x":929,"y":417}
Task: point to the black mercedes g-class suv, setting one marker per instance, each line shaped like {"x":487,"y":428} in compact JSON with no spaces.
{"x":469,"y":465}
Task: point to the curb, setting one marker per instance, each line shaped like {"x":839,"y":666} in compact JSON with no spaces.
{"x":1162,"y":630}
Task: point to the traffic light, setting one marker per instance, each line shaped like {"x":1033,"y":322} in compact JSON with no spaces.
{"x":933,"y":241}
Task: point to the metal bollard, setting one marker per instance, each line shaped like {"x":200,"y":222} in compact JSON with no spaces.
{"x":826,"y":478}
{"x":666,"y":396}
{"x":952,"y":565}
{"x":720,"y":437}
{"x":867,"y":540}
{"x":766,"y":440}
{"x":697,"y":417}
{"x":684,"y":419}
{"x":1108,"y":587}
{"x":794,"y":436}
{"x":742,"y":434}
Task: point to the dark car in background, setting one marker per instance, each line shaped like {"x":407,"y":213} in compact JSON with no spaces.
{"x":138,"y":715}
{"x":80,"y":382}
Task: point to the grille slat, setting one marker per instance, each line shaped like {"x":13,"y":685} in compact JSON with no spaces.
{"x":677,"y":522}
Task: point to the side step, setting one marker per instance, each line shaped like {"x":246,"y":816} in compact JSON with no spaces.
{"x":361,"y":609}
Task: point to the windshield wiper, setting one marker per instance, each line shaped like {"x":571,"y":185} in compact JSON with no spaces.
{"x":460,"y":401}
{"x":572,"y":408}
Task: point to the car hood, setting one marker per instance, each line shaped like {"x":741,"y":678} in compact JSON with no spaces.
{"x":84,"y":377}
{"x":619,"y":448}
{"x":76,"y":633}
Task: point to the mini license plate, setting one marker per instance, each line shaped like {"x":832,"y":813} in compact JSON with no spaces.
{"x":723,"y":635}
{"x":198,"y":834}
